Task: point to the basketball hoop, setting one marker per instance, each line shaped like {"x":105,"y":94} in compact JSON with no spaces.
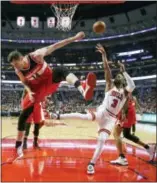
{"x":64,"y":14}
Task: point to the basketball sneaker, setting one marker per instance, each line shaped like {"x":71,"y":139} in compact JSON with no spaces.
{"x":151,"y":152}
{"x":55,"y":116}
{"x":90,"y":168}
{"x":120,"y":161}
{"x":89,"y":86}
{"x":18,"y":153}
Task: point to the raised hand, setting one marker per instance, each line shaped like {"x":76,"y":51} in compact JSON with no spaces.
{"x":100,"y":49}
{"x":79,"y":36}
{"x":122,"y":67}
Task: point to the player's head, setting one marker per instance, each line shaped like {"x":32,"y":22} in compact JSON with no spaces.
{"x":15,"y":59}
{"x":119,"y":80}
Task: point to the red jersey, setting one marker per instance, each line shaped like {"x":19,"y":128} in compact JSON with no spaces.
{"x":39,"y":78}
{"x":131,"y":115}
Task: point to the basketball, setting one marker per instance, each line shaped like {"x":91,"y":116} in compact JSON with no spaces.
{"x":99,"y":27}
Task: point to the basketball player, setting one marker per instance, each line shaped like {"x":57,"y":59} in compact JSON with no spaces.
{"x":124,"y":125}
{"x":40,"y":80}
{"x":106,"y":113}
{"x":36,"y":118}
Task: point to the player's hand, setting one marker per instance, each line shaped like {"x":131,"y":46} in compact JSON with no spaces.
{"x":100,"y":49}
{"x":122,"y":67}
{"x":79,"y":36}
{"x":31,"y":96}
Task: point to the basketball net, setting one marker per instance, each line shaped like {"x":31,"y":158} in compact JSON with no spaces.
{"x":64,"y":14}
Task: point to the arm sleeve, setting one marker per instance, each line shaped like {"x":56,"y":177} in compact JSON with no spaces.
{"x":130,"y":83}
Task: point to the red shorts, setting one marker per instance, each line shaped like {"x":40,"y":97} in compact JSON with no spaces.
{"x":37,"y":115}
{"x":42,"y":87}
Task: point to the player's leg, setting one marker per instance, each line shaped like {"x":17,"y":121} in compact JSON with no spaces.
{"x":133,"y":129}
{"x":121,"y":160}
{"x":86,"y":89}
{"x":87,"y":116}
{"x":106,"y":125}
{"x":36,"y":135}
{"x":21,"y":129}
{"x":103,"y":136}
{"x":38,"y":116}
{"x":27,"y":130}
{"x":127,"y":134}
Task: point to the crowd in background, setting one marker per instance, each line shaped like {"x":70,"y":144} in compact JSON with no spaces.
{"x":72,"y":101}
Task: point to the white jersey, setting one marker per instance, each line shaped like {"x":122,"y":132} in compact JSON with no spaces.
{"x":114,"y":100}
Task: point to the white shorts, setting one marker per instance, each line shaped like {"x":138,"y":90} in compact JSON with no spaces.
{"x":105,"y":120}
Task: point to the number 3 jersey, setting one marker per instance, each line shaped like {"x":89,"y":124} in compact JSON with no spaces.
{"x":114,"y":100}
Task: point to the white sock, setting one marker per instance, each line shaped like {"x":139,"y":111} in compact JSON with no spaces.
{"x":87,"y":116}
{"x":81,"y":90}
{"x":99,"y":148}
{"x":71,"y":79}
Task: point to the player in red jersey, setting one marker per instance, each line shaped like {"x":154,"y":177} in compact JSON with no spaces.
{"x":127,"y":118}
{"x":40,"y":80}
{"x":36,"y":117}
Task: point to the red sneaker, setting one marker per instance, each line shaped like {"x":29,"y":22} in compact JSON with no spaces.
{"x":89,"y":86}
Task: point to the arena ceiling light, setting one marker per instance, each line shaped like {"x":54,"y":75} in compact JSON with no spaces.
{"x":131,"y":59}
{"x":130,"y":52}
{"x":146,"y":57}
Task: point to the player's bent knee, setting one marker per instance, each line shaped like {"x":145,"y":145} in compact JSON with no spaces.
{"x":103,"y":135}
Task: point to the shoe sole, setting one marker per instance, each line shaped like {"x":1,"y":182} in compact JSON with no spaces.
{"x":90,"y":85}
{"x":116,"y":163}
{"x":90,"y":173}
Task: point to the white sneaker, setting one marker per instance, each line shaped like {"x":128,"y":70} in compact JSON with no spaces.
{"x":90,"y":169}
{"x":151,"y":152}
{"x":120,"y":161}
{"x":54,"y":116}
{"x":19,"y":152}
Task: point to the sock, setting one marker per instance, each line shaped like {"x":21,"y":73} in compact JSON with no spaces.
{"x":87,"y":116}
{"x":72,"y":79}
{"x":146,"y":146}
{"x":91,"y":164}
{"x":99,"y":148}
{"x":78,"y":85}
{"x":25,"y":139}
{"x":122,"y":155}
{"x":35,"y":142}
{"x":18,"y":144}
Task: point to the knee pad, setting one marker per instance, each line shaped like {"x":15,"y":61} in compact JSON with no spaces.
{"x":131,"y":137}
{"x":23,"y":118}
{"x":27,"y":129}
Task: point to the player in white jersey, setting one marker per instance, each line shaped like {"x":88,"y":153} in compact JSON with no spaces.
{"x":106,"y":113}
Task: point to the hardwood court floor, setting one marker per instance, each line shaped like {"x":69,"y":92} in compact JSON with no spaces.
{"x":66,"y":149}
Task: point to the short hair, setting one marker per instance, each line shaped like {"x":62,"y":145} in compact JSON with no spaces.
{"x":14,"y":55}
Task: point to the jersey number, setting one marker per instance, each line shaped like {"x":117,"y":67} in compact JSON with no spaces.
{"x":114,"y":104}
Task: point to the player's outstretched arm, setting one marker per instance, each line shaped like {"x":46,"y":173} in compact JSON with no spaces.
{"x":107,"y":71}
{"x":130,"y":83}
{"x":40,"y":53}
